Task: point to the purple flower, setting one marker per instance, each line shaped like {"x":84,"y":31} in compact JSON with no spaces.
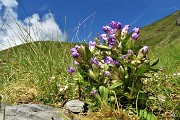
{"x":107,"y":73}
{"x":111,"y":41}
{"x":126,"y":29}
{"x":136,"y":30}
{"x":113,"y":36}
{"x":93,"y":92}
{"x":76,"y":63}
{"x":134,"y":36}
{"x":104,"y":37}
{"x":116,"y":61}
{"x":92,"y":45}
{"x":77,"y":47}
{"x":70,"y":70}
{"x":115,"y":25}
{"x":73,"y":50}
{"x":75,"y":54}
{"x":125,"y":56}
{"x":144,"y":50}
{"x":130,"y":52}
{"x":94,"y":61}
{"x":109,"y":60}
{"x":107,"y":29}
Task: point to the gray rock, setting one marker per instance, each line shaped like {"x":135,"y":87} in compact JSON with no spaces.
{"x":75,"y":106}
{"x":31,"y":112}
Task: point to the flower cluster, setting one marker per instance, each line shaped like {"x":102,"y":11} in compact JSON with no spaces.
{"x":113,"y":64}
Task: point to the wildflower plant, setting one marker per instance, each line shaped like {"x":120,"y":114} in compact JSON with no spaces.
{"x":113,"y":70}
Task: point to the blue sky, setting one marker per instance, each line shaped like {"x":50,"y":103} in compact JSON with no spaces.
{"x":69,"y":13}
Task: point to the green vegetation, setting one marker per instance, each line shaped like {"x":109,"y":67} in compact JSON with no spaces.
{"x":36,"y":72}
{"x":163,"y":37}
{"x":27,"y":71}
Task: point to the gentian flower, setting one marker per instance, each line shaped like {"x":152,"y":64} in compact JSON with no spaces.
{"x":111,"y":42}
{"x":144,"y":50}
{"x":75,"y":54}
{"x":109,"y":60}
{"x":107,"y":29}
{"x":93,"y":92}
{"x":76,"y":63}
{"x":94,"y":61}
{"x":134,"y":36}
{"x":107,"y":73}
{"x":125,"y":29}
{"x":136,"y":30}
{"x":115,"y":25}
{"x":92,"y":46}
{"x":73,"y":50}
{"x":116,"y":61}
{"x":77,"y":47}
{"x":125,"y":56}
{"x":130,"y":52}
{"x":104,"y":37}
{"x":70,"y":70}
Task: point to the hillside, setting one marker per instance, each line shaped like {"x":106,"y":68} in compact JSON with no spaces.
{"x":163,"y":37}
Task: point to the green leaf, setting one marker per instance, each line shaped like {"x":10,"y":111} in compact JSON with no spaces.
{"x":116,"y":84}
{"x":154,"y":62}
{"x":141,"y":69}
{"x":127,"y":38}
{"x":103,"y":47}
{"x":145,"y":115}
{"x":92,"y":74}
{"x":104,"y":67}
{"x":87,"y":53}
{"x":104,"y":93}
{"x":152,"y":98}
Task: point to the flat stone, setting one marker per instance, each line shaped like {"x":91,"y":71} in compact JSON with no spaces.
{"x":75,"y":106}
{"x":31,"y":112}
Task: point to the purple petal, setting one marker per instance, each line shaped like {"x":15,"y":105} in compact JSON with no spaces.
{"x":73,"y":50}
{"x":109,"y":60}
{"x":136,"y":30}
{"x":94,"y":61}
{"x":115,"y":25}
{"x":104,"y":37}
{"x":70,"y":70}
{"x":145,"y":49}
{"x":107,"y":73}
{"x":126,"y":29}
{"x":106,"y":29}
{"x":134,"y":36}
{"x":75,"y":54}
{"x":93,"y":92}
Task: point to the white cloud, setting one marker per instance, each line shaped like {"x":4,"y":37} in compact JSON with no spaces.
{"x":9,"y":3}
{"x":33,"y":28}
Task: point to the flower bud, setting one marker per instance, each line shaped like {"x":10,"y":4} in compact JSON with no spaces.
{"x":134,"y":36}
{"x":70,"y":70}
{"x":92,"y":46}
{"x":94,"y":61}
{"x":107,"y":73}
{"x":115,"y":25}
{"x":109,"y":60}
{"x":136,"y":30}
{"x":142,"y":52}
{"x":107,"y":29}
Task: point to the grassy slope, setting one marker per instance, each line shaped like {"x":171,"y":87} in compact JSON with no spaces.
{"x":25,"y":62}
{"x":31,"y":65}
{"x":163,"y":37}
{"x":25,"y":70}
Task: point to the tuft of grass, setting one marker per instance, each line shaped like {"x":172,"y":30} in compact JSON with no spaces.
{"x":34,"y":64}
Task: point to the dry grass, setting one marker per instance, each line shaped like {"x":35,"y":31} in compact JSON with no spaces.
{"x":19,"y":92}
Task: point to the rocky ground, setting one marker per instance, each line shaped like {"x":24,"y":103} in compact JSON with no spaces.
{"x":41,"y":112}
